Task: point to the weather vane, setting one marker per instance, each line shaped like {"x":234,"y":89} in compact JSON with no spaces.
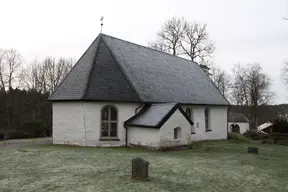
{"x":101,"y":19}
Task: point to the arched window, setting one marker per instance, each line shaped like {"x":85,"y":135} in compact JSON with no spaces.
{"x":207,"y":120}
{"x":109,"y":118}
{"x":235,"y":128}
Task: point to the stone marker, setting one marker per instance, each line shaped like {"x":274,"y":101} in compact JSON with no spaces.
{"x":253,"y":150}
{"x":139,"y":168}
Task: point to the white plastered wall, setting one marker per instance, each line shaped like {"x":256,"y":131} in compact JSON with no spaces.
{"x":78,"y":123}
{"x":244,"y":126}
{"x":71,"y":120}
{"x":163,"y":137}
{"x":218,"y":117}
{"x":148,"y":137}
{"x":166,"y":132}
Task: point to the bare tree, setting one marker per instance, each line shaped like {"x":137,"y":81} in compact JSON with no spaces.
{"x":222,"y":81}
{"x":33,"y":77}
{"x":251,"y":87}
{"x":10,"y":65}
{"x":170,"y":35}
{"x":158,"y":45}
{"x":55,"y":71}
{"x":183,"y":38}
{"x":196,"y":44}
{"x":239,"y":89}
{"x":285,"y":73}
{"x":14,"y":61}
{"x":2,"y":67}
{"x":46,"y":75}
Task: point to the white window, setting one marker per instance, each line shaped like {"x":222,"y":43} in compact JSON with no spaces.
{"x":207,"y":120}
{"x":177,"y":133}
{"x":109,"y":118}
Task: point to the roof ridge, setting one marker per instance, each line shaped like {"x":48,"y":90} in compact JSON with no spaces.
{"x":73,"y":68}
{"x":92,"y":67}
{"x":175,"y":56}
{"x":122,"y":71}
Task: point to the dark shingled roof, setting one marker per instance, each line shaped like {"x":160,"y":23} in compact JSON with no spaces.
{"x":237,"y":117}
{"x":155,"y":115}
{"x":116,"y":70}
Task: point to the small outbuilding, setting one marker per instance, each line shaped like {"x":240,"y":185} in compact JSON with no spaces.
{"x":162,"y":124}
{"x":238,"y":123}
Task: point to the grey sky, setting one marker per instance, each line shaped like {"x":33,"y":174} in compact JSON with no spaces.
{"x":243,"y":30}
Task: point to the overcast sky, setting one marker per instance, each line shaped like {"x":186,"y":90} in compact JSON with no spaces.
{"x":243,"y":30}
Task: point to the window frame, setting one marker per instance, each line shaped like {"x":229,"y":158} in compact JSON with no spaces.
{"x":207,"y":119}
{"x":109,"y":122}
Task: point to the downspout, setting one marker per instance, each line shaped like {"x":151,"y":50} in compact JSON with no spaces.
{"x":227,"y":123}
{"x":126,"y":135}
{"x":84,"y":123}
{"x":126,"y":128}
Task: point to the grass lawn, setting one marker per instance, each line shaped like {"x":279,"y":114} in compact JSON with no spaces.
{"x":209,"y":166}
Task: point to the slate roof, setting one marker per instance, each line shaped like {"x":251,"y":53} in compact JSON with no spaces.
{"x":237,"y":117}
{"x":155,"y":115}
{"x":116,"y":70}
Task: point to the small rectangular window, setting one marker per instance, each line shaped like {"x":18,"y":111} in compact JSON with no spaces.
{"x":193,"y":129}
{"x":175,"y":133}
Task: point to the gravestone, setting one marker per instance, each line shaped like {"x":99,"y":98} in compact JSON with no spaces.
{"x":253,"y":150}
{"x":140,"y":168}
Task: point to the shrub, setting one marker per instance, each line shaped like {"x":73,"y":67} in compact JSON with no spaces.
{"x":2,"y":136}
{"x":29,"y":129}
{"x":255,"y":135}
{"x":282,"y":142}
{"x":267,"y":141}
{"x":280,"y":125}
{"x":237,"y":136}
{"x":36,"y":128}
{"x":16,"y":135}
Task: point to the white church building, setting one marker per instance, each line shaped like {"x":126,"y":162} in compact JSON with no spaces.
{"x":122,"y":94}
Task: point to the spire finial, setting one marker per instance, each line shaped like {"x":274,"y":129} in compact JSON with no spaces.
{"x":101,"y":19}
